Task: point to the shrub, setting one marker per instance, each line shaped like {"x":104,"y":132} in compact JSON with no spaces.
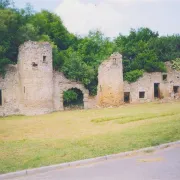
{"x":133,"y":76}
{"x":70,"y":95}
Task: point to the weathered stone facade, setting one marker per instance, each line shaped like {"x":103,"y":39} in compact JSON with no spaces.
{"x":10,"y":95}
{"x":32,"y":87}
{"x":110,"y":82}
{"x":35,"y":73}
{"x":61,"y":84}
{"x":113,"y":91}
{"x":154,"y":86}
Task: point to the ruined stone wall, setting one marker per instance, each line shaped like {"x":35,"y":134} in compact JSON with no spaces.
{"x":110,"y":78}
{"x":146,"y":84}
{"x":36,"y":78}
{"x":61,"y":84}
{"x":9,"y":86}
{"x":31,"y":87}
{"x":92,"y":102}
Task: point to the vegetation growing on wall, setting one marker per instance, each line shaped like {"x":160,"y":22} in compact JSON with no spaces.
{"x":79,"y":57}
{"x":132,"y":76}
{"x":176,"y":64}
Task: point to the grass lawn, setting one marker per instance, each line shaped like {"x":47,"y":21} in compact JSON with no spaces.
{"x":29,"y":142}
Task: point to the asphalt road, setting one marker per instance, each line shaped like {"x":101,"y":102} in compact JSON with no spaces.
{"x":160,"y":165}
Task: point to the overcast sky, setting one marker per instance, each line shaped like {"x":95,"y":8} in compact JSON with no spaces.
{"x":113,"y":16}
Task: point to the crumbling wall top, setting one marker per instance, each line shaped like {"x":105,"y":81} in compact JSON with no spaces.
{"x":33,"y":44}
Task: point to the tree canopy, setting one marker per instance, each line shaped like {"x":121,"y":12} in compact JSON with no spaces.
{"x":79,"y":57}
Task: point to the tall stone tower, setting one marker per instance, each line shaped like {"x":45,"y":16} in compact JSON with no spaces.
{"x":110,"y":82}
{"x":35,"y":77}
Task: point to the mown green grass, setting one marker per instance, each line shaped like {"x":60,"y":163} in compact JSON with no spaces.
{"x":29,"y":142}
{"x":125,"y":119}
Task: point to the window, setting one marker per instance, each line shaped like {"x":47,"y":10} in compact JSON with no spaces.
{"x":176,"y":89}
{"x":164,"y":77}
{"x":0,"y":97}
{"x":142,"y":95}
{"x":44,"y":59}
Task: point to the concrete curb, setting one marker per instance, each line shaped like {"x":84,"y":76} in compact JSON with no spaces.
{"x":84,"y":162}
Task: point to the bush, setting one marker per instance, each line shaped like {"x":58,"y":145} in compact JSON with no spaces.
{"x":70,"y":95}
{"x":73,"y":97}
{"x":133,"y":76}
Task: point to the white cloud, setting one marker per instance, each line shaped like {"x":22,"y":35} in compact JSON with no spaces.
{"x":117,"y":16}
{"x":81,"y":17}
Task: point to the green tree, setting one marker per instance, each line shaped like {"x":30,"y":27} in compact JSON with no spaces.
{"x":5,"y":4}
{"x":50,"y":24}
{"x":74,"y":68}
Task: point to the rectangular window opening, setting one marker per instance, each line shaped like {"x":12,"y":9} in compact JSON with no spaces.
{"x":0,"y":97}
{"x":142,"y":95}
{"x":164,"y":77}
{"x":176,"y":89}
{"x":157,"y":90}
{"x":127,"y":97}
{"x":44,"y":59}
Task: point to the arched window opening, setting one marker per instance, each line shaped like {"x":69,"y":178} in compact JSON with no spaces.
{"x":73,"y":99}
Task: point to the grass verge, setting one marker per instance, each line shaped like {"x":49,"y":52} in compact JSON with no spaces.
{"x":39,"y":141}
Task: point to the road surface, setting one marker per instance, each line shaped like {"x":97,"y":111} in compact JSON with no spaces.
{"x":160,"y":165}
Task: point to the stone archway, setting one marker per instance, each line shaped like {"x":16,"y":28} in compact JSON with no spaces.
{"x":73,"y":85}
{"x":62,"y":84}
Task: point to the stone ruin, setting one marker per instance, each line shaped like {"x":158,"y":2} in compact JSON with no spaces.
{"x":32,"y":87}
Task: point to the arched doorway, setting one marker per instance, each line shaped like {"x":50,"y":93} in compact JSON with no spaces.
{"x":73,"y":99}
{"x":60,"y":88}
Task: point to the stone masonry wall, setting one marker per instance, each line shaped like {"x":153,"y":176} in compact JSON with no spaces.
{"x":9,"y":86}
{"x":146,"y":84}
{"x":61,"y":84}
{"x":110,"y":78}
{"x":32,"y":87}
{"x":36,"y":77}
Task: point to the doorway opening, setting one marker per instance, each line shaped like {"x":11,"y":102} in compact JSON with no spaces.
{"x":127,"y":97}
{"x":157,"y":90}
{"x":73,"y":99}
